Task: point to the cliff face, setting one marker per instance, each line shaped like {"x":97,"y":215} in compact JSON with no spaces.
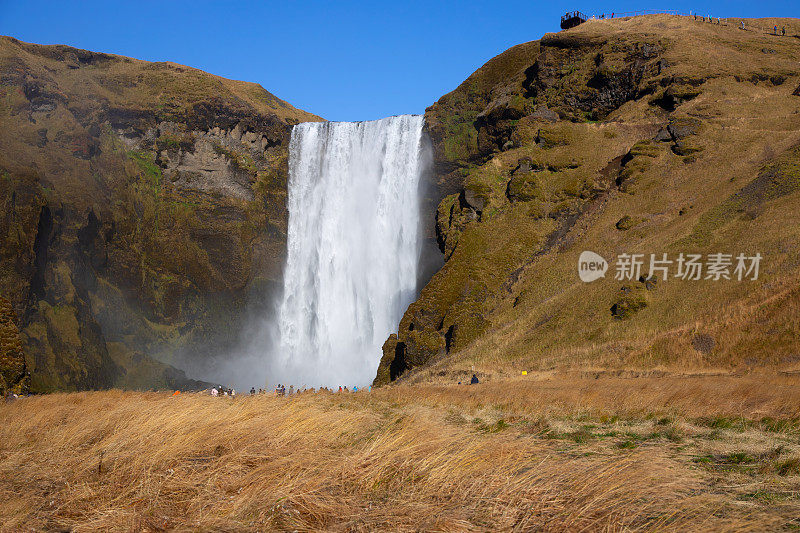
{"x":143,"y":206}
{"x":14,"y":377}
{"x":653,"y":134}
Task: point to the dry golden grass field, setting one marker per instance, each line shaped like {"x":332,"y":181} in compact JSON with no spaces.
{"x":544,"y":452}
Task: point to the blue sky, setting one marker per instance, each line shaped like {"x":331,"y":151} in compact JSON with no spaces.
{"x":350,"y":60}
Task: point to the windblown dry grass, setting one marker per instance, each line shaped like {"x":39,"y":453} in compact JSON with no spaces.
{"x":433,"y":458}
{"x":596,"y":393}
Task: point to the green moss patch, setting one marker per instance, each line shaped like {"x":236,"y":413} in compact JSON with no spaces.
{"x":629,"y":300}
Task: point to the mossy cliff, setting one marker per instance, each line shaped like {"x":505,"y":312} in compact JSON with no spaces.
{"x":14,"y":376}
{"x":143,"y":210}
{"x":653,"y":134}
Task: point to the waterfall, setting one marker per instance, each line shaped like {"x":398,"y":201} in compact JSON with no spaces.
{"x":353,"y":247}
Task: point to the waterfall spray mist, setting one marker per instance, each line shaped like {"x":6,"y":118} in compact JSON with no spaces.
{"x":353,"y":247}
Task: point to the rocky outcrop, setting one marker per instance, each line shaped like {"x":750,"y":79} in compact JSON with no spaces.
{"x":145,"y":209}
{"x":585,"y":78}
{"x":530,"y":86}
{"x":454,"y":213}
{"x":453,"y":125}
{"x":14,"y":377}
{"x":682,"y":133}
{"x":524,"y":184}
{"x":496,"y":122}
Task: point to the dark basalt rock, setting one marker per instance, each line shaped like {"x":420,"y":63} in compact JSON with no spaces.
{"x":675,"y":95}
{"x":41,"y":100}
{"x":680,"y":131}
{"x":681,"y":128}
{"x":544,"y":114}
{"x":524,"y":165}
{"x":495,"y":122}
{"x":474,"y":199}
{"x":663,"y":135}
{"x":607,"y":86}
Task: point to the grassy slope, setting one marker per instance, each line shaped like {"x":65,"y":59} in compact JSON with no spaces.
{"x":135,"y":84}
{"x":712,"y":453}
{"x":118,"y":234}
{"x":89,"y":91}
{"x":732,"y":187}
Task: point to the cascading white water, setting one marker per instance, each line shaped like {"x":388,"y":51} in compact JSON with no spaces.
{"x":353,"y":247}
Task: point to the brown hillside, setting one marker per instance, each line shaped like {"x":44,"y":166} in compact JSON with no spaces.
{"x":655,"y":134}
{"x":142,"y":204}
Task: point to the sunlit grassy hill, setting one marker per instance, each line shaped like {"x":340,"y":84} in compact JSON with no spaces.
{"x":646,"y":135}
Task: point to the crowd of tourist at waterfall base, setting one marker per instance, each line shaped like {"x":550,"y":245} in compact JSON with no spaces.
{"x":281,"y":390}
